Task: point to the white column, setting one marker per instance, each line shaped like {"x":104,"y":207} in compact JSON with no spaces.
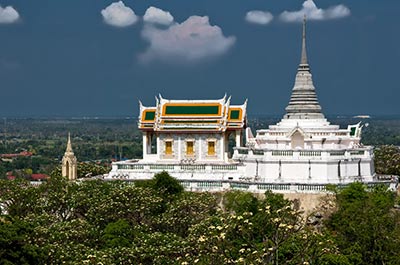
{"x":200,"y":157}
{"x":238,"y":139}
{"x":144,"y":150}
{"x":226,"y":146}
{"x":158,"y":144}
{"x":179,"y":148}
{"x":222,"y":140}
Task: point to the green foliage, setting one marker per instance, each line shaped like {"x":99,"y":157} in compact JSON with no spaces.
{"x":19,"y":197}
{"x":93,"y":222}
{"x":135,"y":205}
{"x":163,"y":184}
{"x":85,"y":170}
{"x":188,"y":210}
{"x":271,"y":235}
{"x":15,"y":247}
{"x":91,"y":169}
{"x":365,"y":225}
{"x":240,"y":202}
{"x":387,"y":160}
{"x":118,"y":234}
{"x":166,"y":184}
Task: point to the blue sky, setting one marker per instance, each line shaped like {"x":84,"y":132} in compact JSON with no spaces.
{"x":98,"y":58}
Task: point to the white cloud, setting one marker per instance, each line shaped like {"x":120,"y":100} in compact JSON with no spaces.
{"x":259,"y":17}
{"x":314,"y":13}
{"x":8,"y":15}
{"x":190,"y":41}
{"x":158,"y":16}
{"x":119,"y":15}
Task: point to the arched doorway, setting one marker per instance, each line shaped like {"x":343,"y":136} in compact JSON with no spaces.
{"x":297,"y":140}
{"x":67,"y":169}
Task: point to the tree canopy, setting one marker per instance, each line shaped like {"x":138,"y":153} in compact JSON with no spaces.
{"x":157,"y":222}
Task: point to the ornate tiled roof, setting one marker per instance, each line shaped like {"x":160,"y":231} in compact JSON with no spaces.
{"x":192,"y":115}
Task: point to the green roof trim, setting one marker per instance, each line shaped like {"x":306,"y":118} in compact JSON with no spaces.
{"x":189,"y":129}
{"x":353,"y":131}
{"x":191,"y":121}
{"x":192,"y":110}
{"x":234,"y":114}
{"x":150,"y":115}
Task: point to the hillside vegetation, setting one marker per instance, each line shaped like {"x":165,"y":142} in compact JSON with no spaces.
{"x":156,"y":222}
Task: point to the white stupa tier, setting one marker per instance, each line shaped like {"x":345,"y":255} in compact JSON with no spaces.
{"x":301,"y":153}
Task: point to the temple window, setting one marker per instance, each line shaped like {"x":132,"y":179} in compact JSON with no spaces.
{"x":211,"y":148}
{"x":168,"y":147}
{"x":189,"y":148}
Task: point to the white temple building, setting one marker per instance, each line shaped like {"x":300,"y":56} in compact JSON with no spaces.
{"x":189,"y":139}
{"x":304,"y":147}
{"x":301,"y":153}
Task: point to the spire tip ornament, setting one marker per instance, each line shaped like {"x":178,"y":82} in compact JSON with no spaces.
{"x":303,"y":49}
{"x":69,"y":146}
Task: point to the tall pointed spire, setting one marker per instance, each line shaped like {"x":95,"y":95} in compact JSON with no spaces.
{"x":303,"y":48}
{"x":69,"y":146}
{"x":303,"y":102}
{"x":69,"y":162}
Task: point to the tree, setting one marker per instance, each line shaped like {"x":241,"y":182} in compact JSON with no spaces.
{"x":239,"y":202}
{"x":118,"y":234}
{"x":18,"y":198}
{"x":15,"y":247}
{"x":138,"y":206}
{"x":185,"y":212}
{"x":366,"y":227}
{"x":166,"y":184}
{"x":387,"y":160}
{"x":274,"y":234}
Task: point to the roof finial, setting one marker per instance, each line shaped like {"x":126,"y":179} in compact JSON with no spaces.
{"x":69,"y":146}
{"x":303,"y":50}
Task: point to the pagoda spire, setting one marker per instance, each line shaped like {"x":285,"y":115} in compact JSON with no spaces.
{"x":303,"y":48}
{"x":303,"y":102}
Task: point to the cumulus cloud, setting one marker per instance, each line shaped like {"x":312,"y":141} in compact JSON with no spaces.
{"x":119,"y":15}
{"x":314,"y":13}
{"x":259,"y":17}
{"x":190,"y":41}
{"x":8,"y":15}
{"x":158,"y":16}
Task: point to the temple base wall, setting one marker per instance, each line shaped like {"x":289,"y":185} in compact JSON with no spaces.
{"x":311,"y":171}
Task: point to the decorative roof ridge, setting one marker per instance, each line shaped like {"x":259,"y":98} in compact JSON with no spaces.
{"x":221,"y":100}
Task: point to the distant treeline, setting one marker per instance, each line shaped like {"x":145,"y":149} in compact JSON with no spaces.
{"x":119,"y":138}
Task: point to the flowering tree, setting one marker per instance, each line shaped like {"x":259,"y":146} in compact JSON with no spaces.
{"x":98,"y":222}
{"x":387,"y":160}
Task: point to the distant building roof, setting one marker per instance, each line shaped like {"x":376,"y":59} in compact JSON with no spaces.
{"x":39,"y":176}
{"x":23,"y":153}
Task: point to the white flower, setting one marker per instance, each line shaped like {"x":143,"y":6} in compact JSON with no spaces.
{"x":202,"y":238}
